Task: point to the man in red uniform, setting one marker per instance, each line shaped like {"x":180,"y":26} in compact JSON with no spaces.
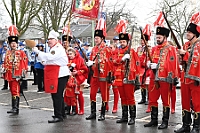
{"x":164,"y":75}
{"x":15,"y":67}
{"x":101,"y":62}
{"x":190,"y":80}
{"x":126,"y":78}
{"x":142,"y":53}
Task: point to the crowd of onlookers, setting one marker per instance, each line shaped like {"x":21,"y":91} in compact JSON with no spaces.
{"x":36,"y":67}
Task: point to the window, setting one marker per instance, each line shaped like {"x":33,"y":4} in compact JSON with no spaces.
{"x":89,"y":40}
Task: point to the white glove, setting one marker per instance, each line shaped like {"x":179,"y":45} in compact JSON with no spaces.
{"x":148,"y":63}
{"x":126,"y":56}
{"x":101,"y":70}
{"x":182,"y":52}
{"x":73,"y":64}
{"x":17,"y":79}
{"x":89,"y":63}
{"x":180,"y":66}
{"x":153,"y":65}
{"x":35,"y":49}
{"x":3,"y":70}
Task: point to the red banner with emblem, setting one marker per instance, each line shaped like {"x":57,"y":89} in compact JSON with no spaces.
{"x":87,"y":8}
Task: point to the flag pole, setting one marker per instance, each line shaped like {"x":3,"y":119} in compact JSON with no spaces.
{"x":70,"y":15}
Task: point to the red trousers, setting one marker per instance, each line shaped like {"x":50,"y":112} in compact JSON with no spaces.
{"x":127,"y":94}
{"x":173,"y":97}
{"x":163,"y":91}
{"x":14,"y":88}
{"x":189,"y":91}
{"x":70,"y":101}
{"x":102,"y":85}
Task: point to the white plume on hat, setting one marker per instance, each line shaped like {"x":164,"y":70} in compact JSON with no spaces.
{"x":53,"y":34}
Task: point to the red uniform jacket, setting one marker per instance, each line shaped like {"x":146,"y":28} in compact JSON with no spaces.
{"x":165,"y":56}
{"x":70,"y":87}
{"x":80,"y":67}
{"x":103,"y":61}
{"x":15,"y":64}
{"x":134,"y":67}
{"x":192,"y":59}
{"x":143,"y":63}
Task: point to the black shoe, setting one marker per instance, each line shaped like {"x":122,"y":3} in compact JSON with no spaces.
{"x":55,"y":120}
{"x":152,"y":123}
{"x":91,"y":116}
{"x":4,"y":88}
{"x":40,"y":91}
{"x":34,"y":84}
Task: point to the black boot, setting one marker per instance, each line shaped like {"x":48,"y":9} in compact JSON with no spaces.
{"x":15,"y":106}
{"x":124,"y":118}
{"x":73,"y":110}
{"x":5,"y":86}
{"x":68,"y":108}
{"x":93,"y":111}
{"x":165,"y":118}
{"x":132,"y":111}
{"x":154,"y":117}
{"x":143,"y":93}
{"x":196,"y":123}
{"x":186,"y":118}
{"x":103,"y":110}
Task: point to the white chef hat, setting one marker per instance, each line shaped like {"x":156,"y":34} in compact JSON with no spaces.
{"x":53,"y":34}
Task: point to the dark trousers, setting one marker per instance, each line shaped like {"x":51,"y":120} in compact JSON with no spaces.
{"x":40,"y":79}
{"x":24,"y":85}
{"x":58,"y":99}
{"x":5,"y":84}
{"x":35,"y":76}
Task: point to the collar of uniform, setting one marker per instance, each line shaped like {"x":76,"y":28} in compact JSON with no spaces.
{"x":162,"y":45}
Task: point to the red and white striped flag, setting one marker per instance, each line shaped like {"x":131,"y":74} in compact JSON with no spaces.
{"x":159,"y":21}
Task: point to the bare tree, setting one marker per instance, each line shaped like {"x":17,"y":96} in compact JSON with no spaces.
{"x":117,"y":11}
{"x":178,"y":14}
{"x":22,"y":12}
{"x":54,"y":14}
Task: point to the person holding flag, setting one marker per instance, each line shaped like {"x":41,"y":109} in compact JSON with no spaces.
{"x":190,"y":77}
{"x":126,"y":87}
{"x":142,"y":52}
{"x":101,"y":62}
{"x":164,"y":75}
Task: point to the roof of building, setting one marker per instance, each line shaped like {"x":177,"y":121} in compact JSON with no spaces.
{"x":3,"y":34}
{"x":83,"y":30}
{"x":32,"y":33}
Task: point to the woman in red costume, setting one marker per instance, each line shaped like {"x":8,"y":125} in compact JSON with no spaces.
{"x":80,"y":72}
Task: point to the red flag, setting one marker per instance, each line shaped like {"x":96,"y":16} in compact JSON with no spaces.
{"x":101,"y":25}
{"x":147,"y":31}
{"x":195,"y":18}
{"x":66,"y":31}
{"x":88,"y":8}
{"x":159,"y":21}
{"x":121,"y":26}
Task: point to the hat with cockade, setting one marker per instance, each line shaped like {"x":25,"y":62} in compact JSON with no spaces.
{"x":12,"y":31}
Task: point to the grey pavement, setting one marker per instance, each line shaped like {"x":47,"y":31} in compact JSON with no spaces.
{"x":33,"y":118}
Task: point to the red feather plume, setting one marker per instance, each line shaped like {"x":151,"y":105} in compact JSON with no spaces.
{"x":12,"y":31}
{"x":121,"y":26}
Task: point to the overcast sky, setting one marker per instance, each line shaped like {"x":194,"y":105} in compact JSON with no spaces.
{"x":141,"y":9}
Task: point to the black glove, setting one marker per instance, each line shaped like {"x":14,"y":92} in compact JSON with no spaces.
{"x":196,"y":83}
{"x":176,"y":81}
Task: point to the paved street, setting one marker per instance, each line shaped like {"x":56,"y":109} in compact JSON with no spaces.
{"x":33,"y":118}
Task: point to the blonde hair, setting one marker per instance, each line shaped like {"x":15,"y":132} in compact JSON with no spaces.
{"x":71,"y":49}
